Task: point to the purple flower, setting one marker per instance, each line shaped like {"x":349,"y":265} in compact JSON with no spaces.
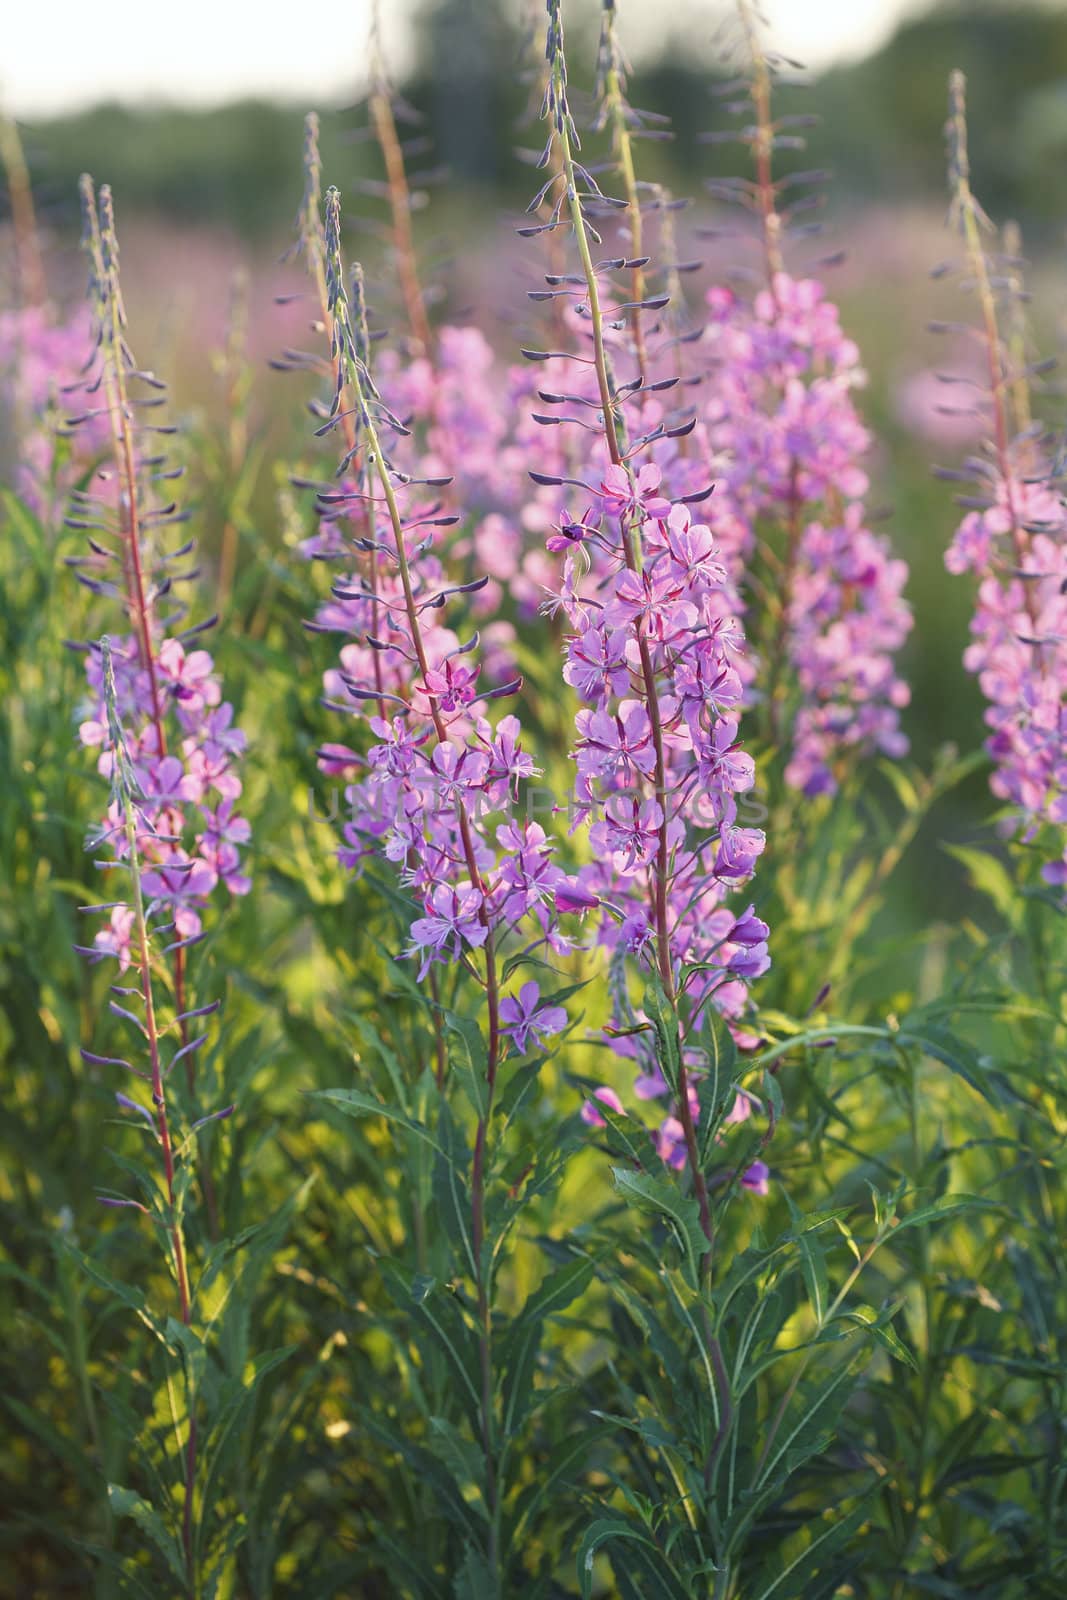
{"x":782,"y":415}
{"x":742,"y":1108}
{"x":454,"y":920}
{"x":570,"y":895}
{"x":621,"y":495}
{"x":607,"y":1097}
{"x":1019,"y":644}
{"x":524,"y":1017}
{"x":569,"y":534}
{"x":508,"y":761}
{"x":757,"y":1177}
{"x":749,"y":929}
{"x":739,"y":849}
{"x":596,"y":667}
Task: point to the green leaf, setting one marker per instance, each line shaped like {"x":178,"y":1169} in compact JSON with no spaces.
{"x":812,"y":1264}
{"x":354,"y":1103}
{"x":475,"y":1580}
{"x":654,"y":1195}
{"x":990,"y":877}
{"x":566,"y":1459}
{"x":470,"y":1060}
{"x":462,"y":1459}
{"x":948,"y":1206}
{"x":438,"y":1319}
{"x":520,"y":1084}
{"x":194,"y":1354}
{"x":124,"y":1503}
{"x":70,"y":1451}
{"x":957,"y":1054}
{"x":882,"y":1330}
{"x":450,"y":1188}
{"x":558,"y":1290}
{"x":821,"y":1547}
{"x":716,"y":1090}
{"x":232,"y":1418}
{"x":649,"y":1327}
{"x":372,"y":1038}
{"x":626,"y":1138}
{"x":907,"y":793}
{"x":808,"y":1432}
{"x":401,"y":974}
{"x":519,"y":1362}
{"x":426,"y":1469}
{"x":664,"y":1019}
{"x":663,"y":1582}
{"x":130,"y":1297}
{"x":404,"y":1559}
{"x":519,"y":1350}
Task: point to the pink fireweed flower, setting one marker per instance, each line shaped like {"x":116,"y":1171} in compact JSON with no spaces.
{"x":633,"y":811}
{"x":596,"y":668}
{"x":1019,"y":649}
{"x":41,"y":358}
{"x":572,"y":896}
{"x":188,"y":676}
{"x":656,"y":654}
{"x":454,"y":920}
{"x":114,"y":940}
{"x":1013,"y":537}
{"x":436,"y":778}
{"x":756,"y":1178}
{"x":782,"y":416}
{"x":525,"y":1017}
{"x":743,"y":1107}
{"x":178,"y":734}
{"x":622,"y":495}
{"x":607,"y":1097}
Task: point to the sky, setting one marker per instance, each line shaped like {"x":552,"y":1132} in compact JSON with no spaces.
{"x":62,"y":55}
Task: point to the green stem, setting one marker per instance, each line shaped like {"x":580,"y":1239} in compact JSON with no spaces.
{"x":174,"y":1225}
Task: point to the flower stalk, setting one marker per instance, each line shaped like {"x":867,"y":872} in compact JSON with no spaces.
{"x":352,"y":372}
{"x":130,"y":798}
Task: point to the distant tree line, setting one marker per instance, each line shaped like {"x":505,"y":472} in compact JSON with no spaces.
{"x":879,"y":128}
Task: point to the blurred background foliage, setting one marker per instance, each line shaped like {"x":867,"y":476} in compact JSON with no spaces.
{"x":879,"y":132}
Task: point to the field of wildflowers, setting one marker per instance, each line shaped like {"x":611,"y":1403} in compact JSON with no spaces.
{"x":486,"y":1111}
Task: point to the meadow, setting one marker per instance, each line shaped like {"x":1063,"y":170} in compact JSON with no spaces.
{"x":532,"y":926}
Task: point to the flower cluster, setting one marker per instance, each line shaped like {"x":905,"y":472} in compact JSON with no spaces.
{"x":1014,"y":538}
{"x":781,"y":415}
{"x":659,"y":767}
{"x":455,"y":397}
{"x":653,"y":652}
{"x":1018,"y":549}
{"x":179,"y":737}
{"x":182,"y":744}
{"x":40,"y":359}
{"x":437,"y":784}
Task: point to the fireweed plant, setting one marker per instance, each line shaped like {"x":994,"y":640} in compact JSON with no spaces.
{"x":1012,"y":538}
{"x":41,"y":353}
{"x":574,"y":1194}
{"x":435,"y":795}
{"x":181,"y":732}
{"x":658,"y":771}
{"x":658,"y":763}
{"x":169,"y":750}
{"x":782,"y":419}
{"x":822,"y":592}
